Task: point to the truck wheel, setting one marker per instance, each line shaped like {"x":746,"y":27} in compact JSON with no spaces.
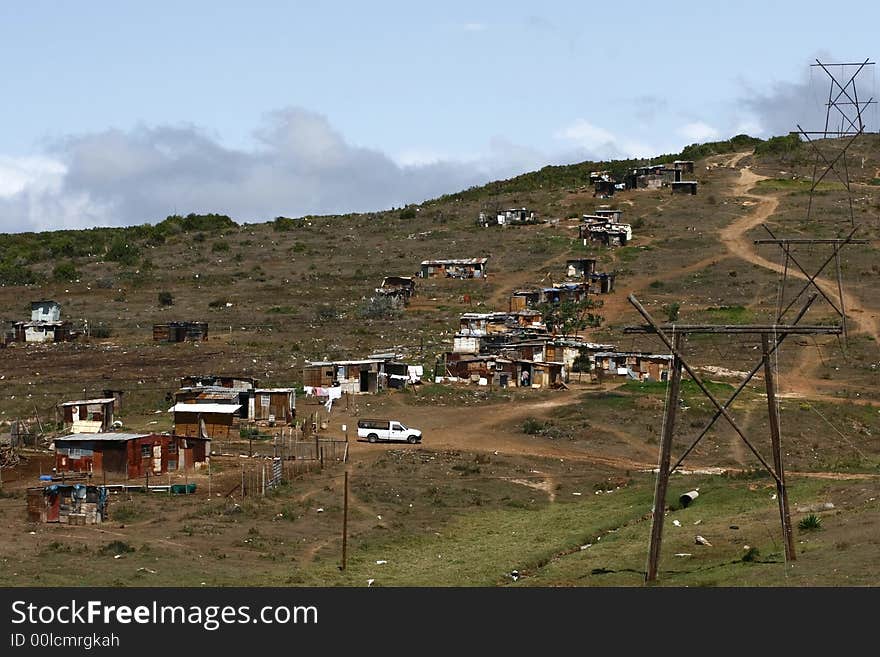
{"x":412,"y":440}
{"x":373,"y":438}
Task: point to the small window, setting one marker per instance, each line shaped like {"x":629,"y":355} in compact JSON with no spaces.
{"x":145,"y":451}
{"x":172,"y":448}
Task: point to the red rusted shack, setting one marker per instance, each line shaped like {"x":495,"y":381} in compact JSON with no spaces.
{"x":129,"y":455}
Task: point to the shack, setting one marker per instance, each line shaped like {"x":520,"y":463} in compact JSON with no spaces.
{"x":399,"y":288}
{"x":180,"y":332}
{"x":580,"y":267}
{"x":45,"y":310}
{"x":204,"y":420}
{"x":685,"y":187}
{"x":522,"y":299}
{"x":216,"y":395}
{"x":129,"y":455}
{"x":236,"y":382}
{"x":88,"y":415}
{"x":273,"y":405}
{"x":609,"y":214}
{"x":74,"y":504}
{"x":40,"y":331}
{"x":685,"y":166}
{"x":353,"y":376}
{"x":635,"y":365}
{"x":604,"y":188}
{"x":455,"y":268}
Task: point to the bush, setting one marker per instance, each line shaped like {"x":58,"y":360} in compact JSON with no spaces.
{"x":217,"y":303}
{"x":283,"y":224}
{"x":326,"y":312}
{"x":379,"y":308}
{"x":408,"y":213}
{"x":220,"y":246}
{"x":65,"y":272}
{"x":122,"y":251}
{"x":116,"y":547}
{"x":100,"y":332}
{"x":532,"y":427}
{"x":810,"y":523}
{"x":671,"y":310}
{"x":14,"y":274}
{"x":166,"y":298}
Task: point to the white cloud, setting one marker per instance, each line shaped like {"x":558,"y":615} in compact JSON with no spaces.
{"x":299,"y":165}
{"x":17,"y":174}
{"x":474,"y":27}
{"x":586,"y":134}
{"x":698,"y":131}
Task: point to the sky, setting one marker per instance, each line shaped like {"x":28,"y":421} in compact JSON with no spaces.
{"x":121,"y":113}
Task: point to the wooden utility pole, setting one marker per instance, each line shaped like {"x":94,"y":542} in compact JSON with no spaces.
{"x":345,"y":521}
{"x":662,"y":484}
{"x":765,"y":331}
{"x":776,"y":442}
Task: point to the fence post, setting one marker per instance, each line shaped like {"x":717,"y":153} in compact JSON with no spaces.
{"x":345,"y":521}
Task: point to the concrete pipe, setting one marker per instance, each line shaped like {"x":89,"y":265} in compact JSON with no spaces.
{"x":686,"y":499}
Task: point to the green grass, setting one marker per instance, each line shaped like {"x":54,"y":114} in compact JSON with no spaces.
{"x":730,"y":314}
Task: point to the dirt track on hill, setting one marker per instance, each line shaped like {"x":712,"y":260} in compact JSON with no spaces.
{"x":735,"y":239}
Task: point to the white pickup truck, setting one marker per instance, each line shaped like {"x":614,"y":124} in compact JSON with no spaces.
{"x":376,"y":430}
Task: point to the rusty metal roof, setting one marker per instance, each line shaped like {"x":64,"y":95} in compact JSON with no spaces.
{"x":103,"y":436}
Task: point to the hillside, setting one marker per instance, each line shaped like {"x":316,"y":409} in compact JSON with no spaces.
{"x":279,"y":293}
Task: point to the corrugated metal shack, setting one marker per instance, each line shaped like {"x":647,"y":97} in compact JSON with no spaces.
{"x":487,"y":369}
{"x":236,"y":382}
{"x":216,"y":395}
{"x":522,"y":299}
{"x":204,"y":420}
{"x":353,"y":376}
{"x":273,"y":405}
{"x":399,"y":288}
{"x":180,"y":332}
{"x":88,"y":415}
{"x":635,"y":365}
{"x":580,"y":267}
{"x":455,"y":268}
{"x":129,"y":455}
{"x":55,"y":331}
{"x":74,"y":504}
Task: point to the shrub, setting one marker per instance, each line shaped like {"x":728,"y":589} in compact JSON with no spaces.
{"x":326,"y":312}
{"x":65,"y":272}
{"x":408,"y":213}
{"x":283,"y":224}
{"x":105,"y":283}
{"x":166,"y":298}
{"x":810,"y":523}
{"x":379,"y":308}
{"x":116,"y":547}
{"x":220,"y":246}
{"x":100,"y":331}
{"x":671,"y":310}
{"x":122,"y":251}
{"x":217,"y":303}
{"x":532,"y":427}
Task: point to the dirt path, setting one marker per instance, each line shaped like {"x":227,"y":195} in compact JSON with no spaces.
{"x":735,"y":239}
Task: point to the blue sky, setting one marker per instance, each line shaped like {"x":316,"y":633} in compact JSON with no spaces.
{"x":120,"y":113}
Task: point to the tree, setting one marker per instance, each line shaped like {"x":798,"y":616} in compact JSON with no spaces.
{"x":65,"y":272}
{"x":671,"y":310}
{"x":568,"y":317}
